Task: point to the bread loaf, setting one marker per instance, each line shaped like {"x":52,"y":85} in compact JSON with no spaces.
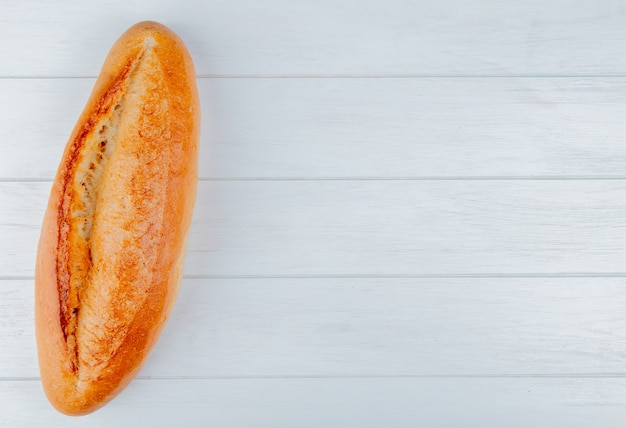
{"x":112,"y":243}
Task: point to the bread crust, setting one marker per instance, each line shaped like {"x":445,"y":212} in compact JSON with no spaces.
{"x":110,"y":254}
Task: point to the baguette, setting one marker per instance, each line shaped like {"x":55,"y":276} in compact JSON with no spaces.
{"x":112,"y":243}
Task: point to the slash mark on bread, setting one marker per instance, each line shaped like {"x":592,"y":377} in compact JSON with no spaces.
{"x":86,"y":164}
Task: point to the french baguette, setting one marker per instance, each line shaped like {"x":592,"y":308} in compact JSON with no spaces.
{"x":112,"y":243}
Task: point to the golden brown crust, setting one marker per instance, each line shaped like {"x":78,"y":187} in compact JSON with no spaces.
{"x":110,"y":254}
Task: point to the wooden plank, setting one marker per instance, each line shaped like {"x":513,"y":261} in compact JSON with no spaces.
{"x":515,"y":403}
{"x":327,"y":37}
{"x":368,"y":327}
{"x":338,"y":228}
{"x":363,"y":128}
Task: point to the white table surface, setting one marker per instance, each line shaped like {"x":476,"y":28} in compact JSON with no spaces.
{"x":411,"y":213}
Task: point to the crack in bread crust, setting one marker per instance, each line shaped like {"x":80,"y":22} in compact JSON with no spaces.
{"x":85,"y":169}
{"x":128,"y":224}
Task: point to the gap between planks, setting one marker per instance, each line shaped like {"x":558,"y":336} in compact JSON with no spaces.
{"x":416,"y":178}
{"x":386,"y":276}
{"x":407,"y":376}
{"x":358,"y":76}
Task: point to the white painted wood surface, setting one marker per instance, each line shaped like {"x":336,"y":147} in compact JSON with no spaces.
{"x":328,"y":37}
{"x":411,"y":213}
{"x":402,"y":128}
{"x":377,"y":227}
{"x":361,"y":327}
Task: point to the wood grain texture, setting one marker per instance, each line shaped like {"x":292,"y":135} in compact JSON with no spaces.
{"x":515,"y":402}
{"x":274,"y":228}
{"x":357,"y":327}
{"x":327,"y":37}
{"x":311,"y":128}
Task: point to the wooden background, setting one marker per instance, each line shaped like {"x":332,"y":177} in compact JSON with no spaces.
{"x":411,"y":213}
